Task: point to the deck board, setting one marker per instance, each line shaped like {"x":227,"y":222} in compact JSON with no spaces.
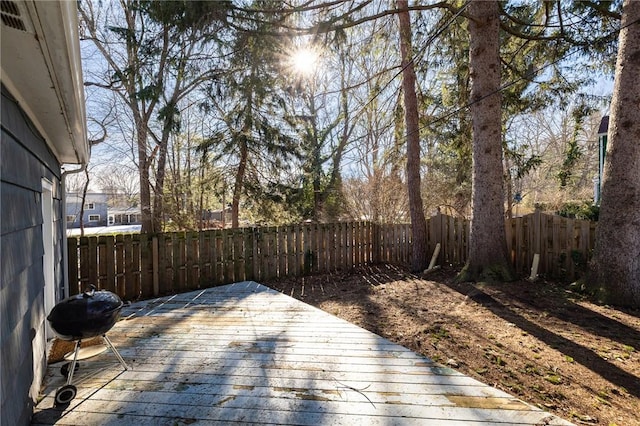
{"x":246,"y":354}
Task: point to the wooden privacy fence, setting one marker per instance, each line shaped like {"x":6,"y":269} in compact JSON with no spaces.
{"x":564,"y":245}
{"x":141,"y":266}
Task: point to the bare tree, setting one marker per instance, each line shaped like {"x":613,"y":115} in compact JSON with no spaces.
{"x":119,"y":182}
{"x":154,"y":54}
{"x":536,"y":145}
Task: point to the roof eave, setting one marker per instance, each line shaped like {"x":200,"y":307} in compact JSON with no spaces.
{"x":41,"y":67}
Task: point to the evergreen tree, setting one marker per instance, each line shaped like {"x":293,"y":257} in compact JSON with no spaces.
{"x":248,"y":102}
{"x":487,"y":240}
{"x":615,"y":268}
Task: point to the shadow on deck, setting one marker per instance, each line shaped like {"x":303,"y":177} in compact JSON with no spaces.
{"x":246,"y":354}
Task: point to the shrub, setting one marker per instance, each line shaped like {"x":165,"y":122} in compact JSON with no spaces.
{"x":585,"y":210}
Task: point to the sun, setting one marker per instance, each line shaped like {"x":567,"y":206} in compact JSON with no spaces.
{"x":304,"y":61}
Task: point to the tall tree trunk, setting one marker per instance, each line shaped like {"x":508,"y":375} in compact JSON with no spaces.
{"x":416,"y":209}
{"x":316,"y":159}
{"x":143,"y":173}
{"x":239,"y":183}
{"x":318,"y":204}
{"x":201,"y":189}
{"x":615,"y":267}
{"x":158,"y":199}
{"x":487,"y":241}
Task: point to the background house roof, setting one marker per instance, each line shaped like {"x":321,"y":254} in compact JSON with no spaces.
{"x":41,"y":68}
{"x":604,"y":125}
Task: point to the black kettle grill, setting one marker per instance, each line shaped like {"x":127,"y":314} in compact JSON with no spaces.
{"x":84,"y":316}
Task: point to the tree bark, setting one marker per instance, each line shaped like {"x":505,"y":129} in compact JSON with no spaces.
{"x":158,"y":199}
{"x":143,"y":173}
{"x":316,"y":179}
{"x":615,"y":267}
{"x":239,"y":184}
{"x":487,"y":241}
{"x":416,"y":209}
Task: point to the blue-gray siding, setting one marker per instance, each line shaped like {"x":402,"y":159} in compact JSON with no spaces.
{"x":24,"y":160}
{"x":101,"y":209}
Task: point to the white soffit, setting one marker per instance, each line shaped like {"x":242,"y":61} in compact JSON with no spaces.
{"x":41,"y":67}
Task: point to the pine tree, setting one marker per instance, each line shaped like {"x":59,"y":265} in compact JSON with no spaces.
{"x":615,"y":267}
{"x":487,"y":240}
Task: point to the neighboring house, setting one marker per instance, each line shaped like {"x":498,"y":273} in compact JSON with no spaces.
{"x":43,"y":128}
{"x":124,"y":216}
{"x":217,"y":215}
{"x":96,"y":210}
{"x":99,"y":210}
{"x":216,"y":218}
{"x":124,"y":209}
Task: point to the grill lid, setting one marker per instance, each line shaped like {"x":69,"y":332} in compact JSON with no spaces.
{"x":85,"y":315}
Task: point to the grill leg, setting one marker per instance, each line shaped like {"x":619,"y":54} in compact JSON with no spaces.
{"x":115,"y":351}
{"x":73,"y":363}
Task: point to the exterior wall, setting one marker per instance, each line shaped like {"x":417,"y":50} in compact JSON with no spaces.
{"x":74,"y":203}
{"x":130,"y":216}
{"x":25,"y":161}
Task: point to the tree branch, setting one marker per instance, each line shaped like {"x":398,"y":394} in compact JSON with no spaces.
{"x":602,"y":9}
{"x":326,"y":27}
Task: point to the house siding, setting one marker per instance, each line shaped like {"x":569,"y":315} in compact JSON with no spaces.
{"x":74,"y":205}
{"x":25,"y":161}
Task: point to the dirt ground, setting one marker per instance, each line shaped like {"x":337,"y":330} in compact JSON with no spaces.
{"x":536,"y":340}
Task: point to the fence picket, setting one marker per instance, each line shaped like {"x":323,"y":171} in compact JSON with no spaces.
{"x":135,"y":265}
{"x":163,"y":267}
{"x":130,"y":280}
{"x":239,"y":256}
{"x":292,"y":267}
{"x":217,"y":258}
{"x":178,"y":260}
{"x":109,"y":262}
{"x":93,"y":262}
{"x":227,"y":258}
{"x":190,"y":273}
{"x":144,"y":263}
{"x":283,"y":236}
{"x":203,"y":259}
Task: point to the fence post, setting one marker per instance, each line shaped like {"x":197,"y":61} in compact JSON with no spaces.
{"x":282,"y":250}
{"x":131,"y":264}
{"x":537,"y":236}
{"x":239,"y":255}
{"x":116,"y":267}
{"x":249,"y":256}
{"x":292,"y":261}
{"x":155,"y":265}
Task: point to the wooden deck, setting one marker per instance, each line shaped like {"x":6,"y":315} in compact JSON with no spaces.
{"x":245,"y":354}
